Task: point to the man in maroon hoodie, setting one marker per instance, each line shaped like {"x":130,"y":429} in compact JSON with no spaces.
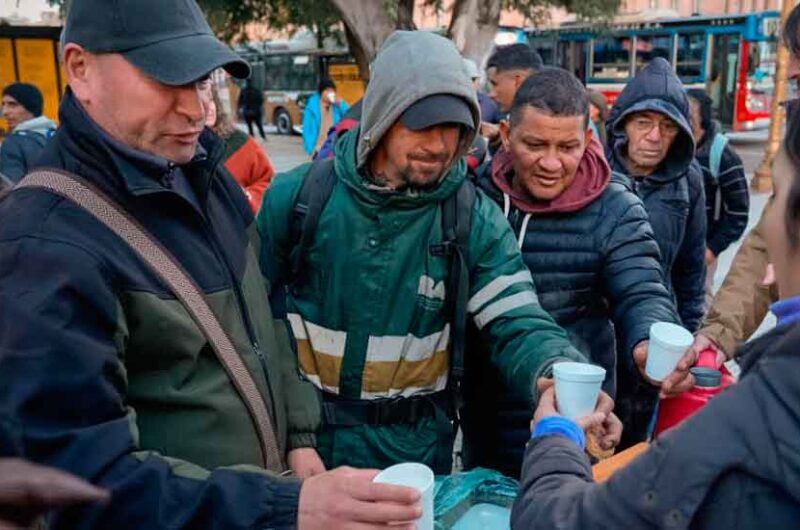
{"x":587,"y":243}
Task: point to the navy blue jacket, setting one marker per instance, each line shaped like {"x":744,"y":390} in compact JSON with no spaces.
{"x":595,"y":270}
{"x":22,"y":148}
{"x":735,"y":465}
{"x":673,"y":195}
{"x":102,"y":371}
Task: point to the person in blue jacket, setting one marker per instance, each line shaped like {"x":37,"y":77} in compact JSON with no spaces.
{"x":324,"y":110}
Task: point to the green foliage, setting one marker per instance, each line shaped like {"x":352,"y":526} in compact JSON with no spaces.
{"x":229,"y":17}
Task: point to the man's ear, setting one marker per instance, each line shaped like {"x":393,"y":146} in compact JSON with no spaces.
{"x":77,"y":65}
{"x":505,"y":134}
{"x":589,"y":135}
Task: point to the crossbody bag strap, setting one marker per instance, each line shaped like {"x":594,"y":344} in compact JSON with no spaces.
{"x":166,"y":267}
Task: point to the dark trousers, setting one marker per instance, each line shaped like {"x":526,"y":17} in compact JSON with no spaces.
{"x":256,"y":118}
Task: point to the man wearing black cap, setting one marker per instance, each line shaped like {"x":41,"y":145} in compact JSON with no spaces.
{"x":103,"y":371}
{"x":372,"y":298}
{"x":22,"y":105}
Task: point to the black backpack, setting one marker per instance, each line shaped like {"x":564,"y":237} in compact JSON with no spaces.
{"x":314,"y":194}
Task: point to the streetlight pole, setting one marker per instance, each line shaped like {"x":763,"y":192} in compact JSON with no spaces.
{"x":762,"y":180}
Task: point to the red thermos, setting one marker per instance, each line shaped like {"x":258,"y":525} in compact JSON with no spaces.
{"x":709,"y":381}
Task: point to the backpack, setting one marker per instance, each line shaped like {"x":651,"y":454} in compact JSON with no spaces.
{"x":316,"y":190}
{"x":714,"y":161}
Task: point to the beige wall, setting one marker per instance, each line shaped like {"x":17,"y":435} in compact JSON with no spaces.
{"x":427,"y":18}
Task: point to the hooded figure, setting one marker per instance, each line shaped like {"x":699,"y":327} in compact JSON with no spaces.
{"x":589,"y":248}
{"x":672,"y":192}
{"x":370,"y":313}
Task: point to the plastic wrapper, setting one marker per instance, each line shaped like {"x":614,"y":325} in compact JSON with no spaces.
{"x":457,"y":493}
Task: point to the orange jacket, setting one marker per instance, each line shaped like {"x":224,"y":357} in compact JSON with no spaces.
{"x":250,"y":166}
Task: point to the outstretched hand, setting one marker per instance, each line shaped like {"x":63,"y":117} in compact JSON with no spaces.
{"x":603,"y":422}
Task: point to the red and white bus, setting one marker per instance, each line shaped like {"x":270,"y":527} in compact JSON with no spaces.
{"x":733,"y":57}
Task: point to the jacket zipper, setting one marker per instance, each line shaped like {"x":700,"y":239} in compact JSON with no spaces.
{"x":248,"y":325}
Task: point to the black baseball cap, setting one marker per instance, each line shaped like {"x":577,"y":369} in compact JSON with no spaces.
{"x":438,"y":109}
{"x":169,"y":40}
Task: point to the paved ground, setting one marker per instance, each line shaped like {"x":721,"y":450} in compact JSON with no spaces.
{"x":286,"y":152}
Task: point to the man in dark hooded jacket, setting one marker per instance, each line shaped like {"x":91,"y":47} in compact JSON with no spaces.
{"x":586,"y":241}
{"x":651,"y":152}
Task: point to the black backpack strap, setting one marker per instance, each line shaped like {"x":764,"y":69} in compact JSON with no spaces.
{"x":456,"y":222}
{"x":314,"y":193}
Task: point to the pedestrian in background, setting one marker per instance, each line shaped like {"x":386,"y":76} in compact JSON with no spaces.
{"x":507,"y":68}
{"x":251,"y":107}
{"x":727,"y":195}
{"x":598,"y":114}
{"x":490,"y":110}
{"x":324,"y":109}
{"x":244,"y":158}
{"x":22,"y":106}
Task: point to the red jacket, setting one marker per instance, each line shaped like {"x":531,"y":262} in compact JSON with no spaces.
{"x":250,"y":166}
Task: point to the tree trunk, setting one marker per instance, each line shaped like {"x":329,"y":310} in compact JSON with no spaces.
{"x":405,"y":15}
{"x":473,"y":27}
{"x":367,"y":25}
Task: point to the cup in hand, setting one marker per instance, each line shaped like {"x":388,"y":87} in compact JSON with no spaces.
{"x":668,"y":343}
{"x":417,"y":476}
{"x":577,"y":388}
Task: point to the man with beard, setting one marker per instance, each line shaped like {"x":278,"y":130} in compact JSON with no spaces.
{"x":371,"y":307}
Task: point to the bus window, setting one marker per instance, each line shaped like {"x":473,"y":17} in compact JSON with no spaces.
{"x":611,"y":58}
{"x":761,"y":63}
{"x":648,"y":47}
{"x":690,"y":55}
{"x":290,"y":72}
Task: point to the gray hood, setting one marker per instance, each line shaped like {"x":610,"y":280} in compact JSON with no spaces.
{"x":411,"y":65}
{"x":40,"y":125}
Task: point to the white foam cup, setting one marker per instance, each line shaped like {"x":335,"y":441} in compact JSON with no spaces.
{"x":668,"y":343}
{"x":577,"y":387}
{"x":417,"y":476}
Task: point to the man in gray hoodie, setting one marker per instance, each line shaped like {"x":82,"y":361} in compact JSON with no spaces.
{"x":374,"y":306}
{"x":22,"y":109}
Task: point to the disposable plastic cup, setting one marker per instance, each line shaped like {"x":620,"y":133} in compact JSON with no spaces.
{"x":577,"y":387}
{"x":668,"y":343}
{"x":417,"y":476}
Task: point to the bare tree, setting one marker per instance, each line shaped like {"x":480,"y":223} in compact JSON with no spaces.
{"x":473,"y":26}
{"x":367,"y":24}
